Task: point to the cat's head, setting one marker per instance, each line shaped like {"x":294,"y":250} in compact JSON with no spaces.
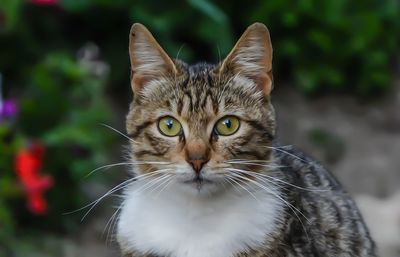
{"x":194,"y":125}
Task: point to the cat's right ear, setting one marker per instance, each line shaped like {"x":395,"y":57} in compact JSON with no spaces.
{"x":148,"y":60}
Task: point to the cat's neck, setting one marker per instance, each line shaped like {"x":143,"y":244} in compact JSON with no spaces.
{"x":186,"y":224}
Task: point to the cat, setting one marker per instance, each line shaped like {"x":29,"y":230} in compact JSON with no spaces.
{"x":209,"y":179}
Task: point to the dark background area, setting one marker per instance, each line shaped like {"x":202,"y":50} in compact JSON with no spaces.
{"x":65,"y":71}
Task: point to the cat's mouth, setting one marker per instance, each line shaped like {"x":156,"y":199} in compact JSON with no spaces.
{"x":198,"y":181}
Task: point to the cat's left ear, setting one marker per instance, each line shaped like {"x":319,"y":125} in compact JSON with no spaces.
{"x":148,"y":60}
{"x":252,"y":57}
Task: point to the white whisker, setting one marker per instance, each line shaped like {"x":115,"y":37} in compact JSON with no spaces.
{"x":267,"y":177}
{"x":126,"y":163}
{"x":110,"y":224}
{"x":286,"y":152}
{"x":268,"y":190}
{"x":292,"y":185}
{"x":249,"y":160}
{"x":150,"y":183}
{"x":169,"y":181}
{"x":257,"y":164}
{"x":113,"y":190}
{"x":160,"y":183}
{"x":107,"y":167}
{"x":236,"y":182}
{"x":120,"y":186}
{"x":234,"y":187}
{"x":119,"y":132}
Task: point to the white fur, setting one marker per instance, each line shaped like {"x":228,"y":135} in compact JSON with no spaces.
{"x":179,"y":223}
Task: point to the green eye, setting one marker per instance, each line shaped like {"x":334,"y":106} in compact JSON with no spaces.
{"x":169,"y":126}
{"x":227,"y":126}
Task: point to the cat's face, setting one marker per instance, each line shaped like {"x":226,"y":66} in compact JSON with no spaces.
{"x":194,"y":125}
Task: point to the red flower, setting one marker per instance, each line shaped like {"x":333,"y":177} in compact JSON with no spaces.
{"x":44,"y":2}
{"x":27,"y":165}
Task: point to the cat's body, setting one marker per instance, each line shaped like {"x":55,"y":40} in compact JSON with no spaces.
{"x":168,"y":225}
{"x":216,"y":186}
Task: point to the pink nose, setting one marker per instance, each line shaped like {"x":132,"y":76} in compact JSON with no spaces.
{"x":197,"y":154}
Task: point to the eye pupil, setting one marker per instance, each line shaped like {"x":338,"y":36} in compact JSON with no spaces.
{"x":169,"y":123}
{"x":228,"y":123}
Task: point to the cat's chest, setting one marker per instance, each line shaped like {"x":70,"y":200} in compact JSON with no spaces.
{"x":183,"y":226}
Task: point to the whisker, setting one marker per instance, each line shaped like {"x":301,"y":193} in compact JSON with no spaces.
{"x":113,"y":190}
{"x":86,"y":206}
{"x":125,"y":163}
{"x":286,"y":152}
{"x":233,"y":180}
{"x":119,"y":132}
{"x":249,"y":160}
{"x":219,"y":54}
{"x":160,"y":183}
{"x":265,"y":176}
{"x":179,"y":51}
{"x":174,"y":89}
{"x":257,"y":164}
{"x":292,"y":185}
{"x":270,"y":191}
{"x":263,"y":179}
{"x":169,"y":181}
{"x":223,"y":183}
{"x":106,"y":167}
{"x":150,"y":174}
{"x":150,"y":183}
{"x":110,"y":224}
{"x":234,"y":187}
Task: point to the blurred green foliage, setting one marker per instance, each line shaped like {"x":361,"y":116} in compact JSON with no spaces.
{"x":320,"y":46}
{"x":335,"y":45}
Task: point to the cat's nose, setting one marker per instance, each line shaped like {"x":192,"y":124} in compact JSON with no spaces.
{"x":197,"y":154}
{"x":197,"y":164}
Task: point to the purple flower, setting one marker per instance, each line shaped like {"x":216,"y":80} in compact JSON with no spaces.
{"x":8,"y":109}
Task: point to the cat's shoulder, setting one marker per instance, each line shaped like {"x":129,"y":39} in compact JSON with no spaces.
{"x":303,"y":168}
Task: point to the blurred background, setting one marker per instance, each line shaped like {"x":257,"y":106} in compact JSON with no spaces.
{"x":64,"y":72}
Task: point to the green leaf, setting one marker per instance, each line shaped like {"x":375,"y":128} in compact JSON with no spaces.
{"x":210,"y":9}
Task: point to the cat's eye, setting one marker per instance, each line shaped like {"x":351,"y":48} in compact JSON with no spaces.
{"x":169,"y":126}
{"x":227,"y":126}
